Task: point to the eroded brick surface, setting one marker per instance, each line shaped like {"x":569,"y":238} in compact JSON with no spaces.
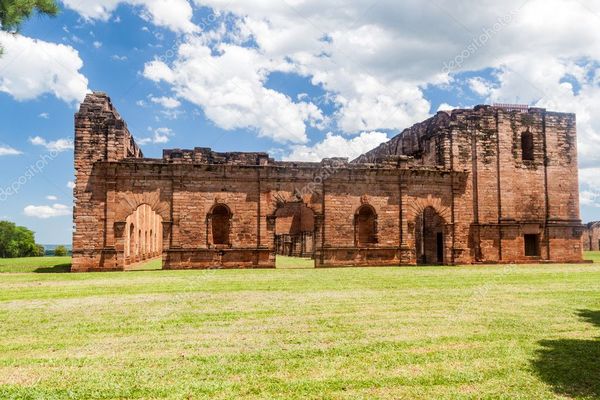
{"x":591,"y":237}
{"x":453,"y":189}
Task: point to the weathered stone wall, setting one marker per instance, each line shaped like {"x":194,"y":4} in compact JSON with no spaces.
{"x":506,"y":196}
{"x":457,"y":181}
{"x":591,"y":237}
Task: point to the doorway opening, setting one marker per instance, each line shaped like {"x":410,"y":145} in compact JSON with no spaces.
{"x":294,"y":236}
{"x":430,"y":238}
{"x":143,"y":239}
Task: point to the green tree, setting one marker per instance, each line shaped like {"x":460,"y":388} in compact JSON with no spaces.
{"x":14,"y":12}
{"x":40,"y":251}
{"x":16,"y":241}
{"x":60,"y":251}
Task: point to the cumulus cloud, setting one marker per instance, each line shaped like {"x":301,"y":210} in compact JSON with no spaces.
{"x":59,"y":145}
{"x":175,"y":15}
{"x":8,"y":151}
{"x":45,"y":212}
{"x":337,"y":146}
{"x":590,"y":186}
{"x":160,"y":136}
{"x":230,"y":88}
{"x":71,"y":185}
{"x":375,"y":61}
{"x":51,"y":198}
{"x":166,"y":102}
{"x":30,"y":68}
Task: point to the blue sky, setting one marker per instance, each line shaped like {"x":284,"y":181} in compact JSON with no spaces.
{"x":299,"y":79}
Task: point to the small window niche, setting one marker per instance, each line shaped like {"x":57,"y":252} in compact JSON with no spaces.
{"x":532,"y":246}
{"x":527,"y":146}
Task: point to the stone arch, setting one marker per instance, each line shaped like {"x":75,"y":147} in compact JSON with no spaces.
{"x":144,"y":227}
{"x":365,"y":226}
{"x":128,"y":202}
{"x":130,"y":240}
{"x":418,"y":206}
{"x":219,"y":222}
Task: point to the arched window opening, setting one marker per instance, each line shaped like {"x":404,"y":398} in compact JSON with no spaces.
{"x":131,"y":249}
{"x":527,"y":146}
{"x":366,"y":225}
{"x":221,"y":217}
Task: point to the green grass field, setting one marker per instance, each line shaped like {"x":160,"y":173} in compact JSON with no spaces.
{"x":501,"y":332}
{"x":36,"y":264}
{"x":593,"y":255}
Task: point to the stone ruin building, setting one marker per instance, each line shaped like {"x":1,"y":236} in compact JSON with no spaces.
{"x":492,"y":184}
{"x":591,"y":237}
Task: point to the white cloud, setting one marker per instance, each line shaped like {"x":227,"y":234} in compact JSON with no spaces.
{"x":446,"y":107}
{"x":589,"y":179}
{"x":71,"y":185}
{"x":160,"y":136}
{"x":59,"y":145}
{"x":44,"y":115}
{"x":45,"y":212}
{"x":175,"y":15}
{"x":337,"y":146}
{"x":167,"y":102}
{"x":230,"y":89}
{"x":480,"y":86}
{"x":51,"y":198}
{"x":117,"y":57}
{"x":8,"y":151}
{"x":375,"y":60}
{"x":30,"y":68}
{"x":97,"y":44}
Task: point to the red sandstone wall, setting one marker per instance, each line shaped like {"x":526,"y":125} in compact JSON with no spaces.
{"x":591,"y":237}
{"x":100,"y":135}
{"x":483,"y":213}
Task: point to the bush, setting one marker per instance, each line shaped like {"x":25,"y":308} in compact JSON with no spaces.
{"x":41,"y":251}
{"x":60,"y":251}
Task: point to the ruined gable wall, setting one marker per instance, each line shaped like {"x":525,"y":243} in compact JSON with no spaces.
{"x":512,"y":197}
{"x":100,"y":135}
{"x":505,"y":196}
{"x":427,"y":142}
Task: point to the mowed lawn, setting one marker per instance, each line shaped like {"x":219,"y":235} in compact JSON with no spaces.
{"x":501,"y":332}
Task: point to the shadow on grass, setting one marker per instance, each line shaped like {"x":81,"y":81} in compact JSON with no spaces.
{"x":57,"y":269}
{"x":570,"y":366}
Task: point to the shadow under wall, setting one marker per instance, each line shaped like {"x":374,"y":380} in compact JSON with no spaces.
{"x":570,"y":366}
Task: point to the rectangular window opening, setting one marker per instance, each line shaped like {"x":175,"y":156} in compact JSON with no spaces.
{"x":532,"y":245}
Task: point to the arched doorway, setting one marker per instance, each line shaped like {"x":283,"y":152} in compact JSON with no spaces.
{"x":143,"y":236}
{"x":430,"y":238}
{"x":365,"y":226}
{"x":294,"y":233}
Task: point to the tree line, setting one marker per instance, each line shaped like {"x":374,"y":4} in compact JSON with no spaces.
{"x":18,"y":241}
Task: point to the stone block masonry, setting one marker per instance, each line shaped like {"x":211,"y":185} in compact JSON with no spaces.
{"x":483,"y":185}
{"x":591,"y":237}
